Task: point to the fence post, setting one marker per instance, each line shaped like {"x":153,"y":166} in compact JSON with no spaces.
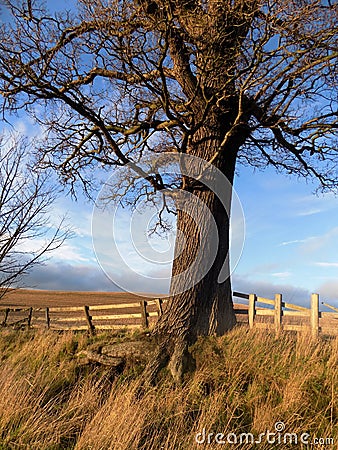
{"x":314,"y":315}
{"x":144,"y":313}
{"x":29,"y":318}
{"x":47,"y":318}
{"x":91,"y":327}
{"x":252,"y":306}
{"x":159,"y":306}
{"x":278,"y":312}
{"x":5,"y":317}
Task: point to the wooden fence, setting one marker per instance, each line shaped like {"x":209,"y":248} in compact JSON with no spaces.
{"x":97,"y":317}
{"x":255,"y":312}
{"x":280,"y":315}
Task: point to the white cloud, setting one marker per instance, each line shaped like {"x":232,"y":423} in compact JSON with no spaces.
{"x":309,"y":212}
{"x":77,"y":213}
{"x":281,"y":274}
{"x":31,"y":245}
{"x":313,"y":244}
{"x":329,"y":291}
{"x":71,"y":253}
{"x":295,"y":241}
{"x":327,"y":264}
{"x":322,"y":201}
{"x":22,"y":127}
{"x":319,"y":242}
{"x":66,"y":252}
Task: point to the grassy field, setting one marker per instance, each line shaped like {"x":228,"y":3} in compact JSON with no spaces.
{"x":40,"y":298}
{"x":245,"y":382}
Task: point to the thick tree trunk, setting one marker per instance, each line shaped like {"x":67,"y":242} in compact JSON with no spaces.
{"x":206,"y":307}
{"x":199,"y":303}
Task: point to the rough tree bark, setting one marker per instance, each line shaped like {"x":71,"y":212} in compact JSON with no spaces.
{"x":205,"y":308}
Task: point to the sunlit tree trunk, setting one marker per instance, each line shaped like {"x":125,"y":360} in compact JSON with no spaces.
{"x":206,"y":307}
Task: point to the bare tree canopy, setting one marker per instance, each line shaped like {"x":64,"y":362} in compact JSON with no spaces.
{"x":228,"y":81}
{"x":25,"y":201}
{"x":115,"y":73}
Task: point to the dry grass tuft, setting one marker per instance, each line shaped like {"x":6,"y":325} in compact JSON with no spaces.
{"x":245,"y":382}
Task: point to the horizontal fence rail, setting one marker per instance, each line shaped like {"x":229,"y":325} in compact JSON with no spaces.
{"x":97,"y":317}
{"x":255,"y":312}
{"x":286,"y":316}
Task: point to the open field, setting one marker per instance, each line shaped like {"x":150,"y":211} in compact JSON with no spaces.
{"x":68,"y":310}
{"x":42,"y":299}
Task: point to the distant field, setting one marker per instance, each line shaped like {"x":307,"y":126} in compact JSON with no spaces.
{"x":41,"y":299}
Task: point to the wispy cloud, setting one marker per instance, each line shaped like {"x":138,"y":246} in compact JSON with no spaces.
{"x":309,"y":212}
{"x":322,"y":201}
{"x":313,"y":243}
{"x":281,"y":274}
{"x":66,"y":252}
{"x":325,"y":240}
{"x":326,"y":264}
{"x":70,"y":253}
{"x":295,"y":241}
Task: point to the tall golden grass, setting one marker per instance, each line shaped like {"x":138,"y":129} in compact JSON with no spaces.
{"x":245,"y":382}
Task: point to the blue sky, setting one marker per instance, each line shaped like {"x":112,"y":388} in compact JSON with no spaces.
{"x":291,"y":237}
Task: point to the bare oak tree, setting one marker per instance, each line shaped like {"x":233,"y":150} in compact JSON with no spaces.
{"x":25,"y":201}
{"x":229,"y":81}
